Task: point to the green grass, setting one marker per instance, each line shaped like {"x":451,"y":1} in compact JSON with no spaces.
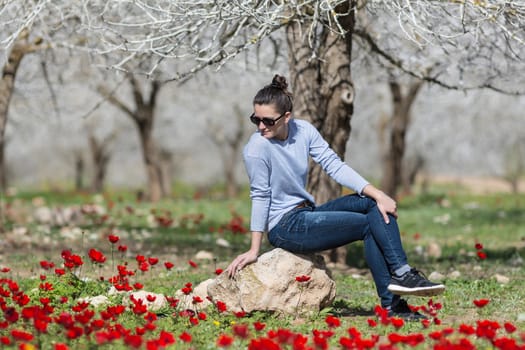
{"x":455,"y":221}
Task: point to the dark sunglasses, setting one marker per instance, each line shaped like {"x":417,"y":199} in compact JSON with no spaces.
{"x":265,"y":121}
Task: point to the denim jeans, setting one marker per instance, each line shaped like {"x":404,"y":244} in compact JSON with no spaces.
{"x":339,"y":222}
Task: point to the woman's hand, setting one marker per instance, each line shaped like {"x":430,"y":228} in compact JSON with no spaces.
{"x":241,"y":261}
{"x":247,"y":258}
{"x":385,"y":203}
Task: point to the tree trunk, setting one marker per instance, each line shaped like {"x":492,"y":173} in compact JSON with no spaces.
{"x":143,"y":116}
{"x":149,"y":154}
{"x":100,"y":155}
{"x":324,"y":94}
{"x":79,"y":171}
{"x":20,"y":48}
{"x":399,"y":123}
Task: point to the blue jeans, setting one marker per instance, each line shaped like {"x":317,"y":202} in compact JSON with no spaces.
{"x":339,"y":222}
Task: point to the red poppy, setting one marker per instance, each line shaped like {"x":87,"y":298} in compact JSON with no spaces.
{"x":302,"y":278}
{"x":481,"y":302}
{"x":397,"y":322}
{"x":218,"y":271}
{"x":240,"y":330}
{"x":372,"y":322}
{"x":193,"y":264}
{"x":481,"y":255}
{"x":240,"y":314}
{"x":96,"y":256}
{"x":332,"y":321}
{"x":258,"y":326}
{"x":185,"y":337}
{"x":224,"y":341}
{"x":221,"y":306}
{"x":509,"y":327}
{"x":113,"y":239}
{"x":122,"y":248}
{"x":153,"y":261}
{"x":168,"y":265}
{"x":479,"y":246}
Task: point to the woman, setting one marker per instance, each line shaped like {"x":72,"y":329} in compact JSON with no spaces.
{"x":276,"y":159}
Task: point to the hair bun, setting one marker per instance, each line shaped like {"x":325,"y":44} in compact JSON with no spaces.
{"x":279,"y":82}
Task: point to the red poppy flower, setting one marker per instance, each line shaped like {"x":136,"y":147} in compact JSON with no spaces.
{"x":224,"y":341}
{"x":397,"y":322}
{"x":481,"y":302}
{"x":240,"y":314}
{"x":122,"y":248}
{"x":481,"y":255}
{"x":221,"y":306}
{"x":153,"y":261}
{"x":509,"y":327}
{"x":218,"y":271}
{"x":258,"y":326}
{"x":185,"y":337}
{"x":332,"y":321}
{"x":372,"y":322}
{"x":193,"y":264}
{"x":479,"y":246}
{"x":96,"y":256}
{"x":302,"y":278}
{"x":113,"y":239}
{"x":240,"y":330}
{"x":168,"y":265}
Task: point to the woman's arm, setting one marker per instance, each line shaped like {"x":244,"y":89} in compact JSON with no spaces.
{"x":385,"y":204}
{"x":246,"y":258}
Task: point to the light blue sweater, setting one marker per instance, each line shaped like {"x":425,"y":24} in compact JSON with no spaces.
{"x":278,"y":172}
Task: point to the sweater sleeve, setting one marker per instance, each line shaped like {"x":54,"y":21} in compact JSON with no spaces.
{"x":258,"y":171}
{"x":332,"y":164}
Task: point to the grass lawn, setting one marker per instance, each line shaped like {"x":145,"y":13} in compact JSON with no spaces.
{"x":475,"y":242}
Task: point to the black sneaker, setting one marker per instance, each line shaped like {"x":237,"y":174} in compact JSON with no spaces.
{"x":413,"y":283}
{"x":402,"y":310}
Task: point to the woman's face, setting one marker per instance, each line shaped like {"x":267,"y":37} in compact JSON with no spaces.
{"x":266,"y":112}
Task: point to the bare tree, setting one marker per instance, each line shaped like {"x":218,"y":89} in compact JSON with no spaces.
{"x":229,"y":147}
{"x":143,"y":115}
{"x":398,"y":127}
{"x":100,"y":156}
{"x":21,"y":46}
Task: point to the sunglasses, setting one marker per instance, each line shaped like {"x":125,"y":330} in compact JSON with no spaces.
{"x":264,"y":120}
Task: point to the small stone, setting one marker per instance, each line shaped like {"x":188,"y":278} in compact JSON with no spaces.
{"x":436,"y":276}
{"x":204,"y":255}
{"x":501,"y":279}
{"x":454,"y":274}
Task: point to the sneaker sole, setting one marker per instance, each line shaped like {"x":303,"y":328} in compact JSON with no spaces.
{"x":422,"y":291}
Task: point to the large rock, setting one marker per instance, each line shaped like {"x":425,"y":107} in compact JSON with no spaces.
{"x":270,"y":285}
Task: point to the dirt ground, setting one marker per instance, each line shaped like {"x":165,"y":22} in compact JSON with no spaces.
{"x":473,"y":184}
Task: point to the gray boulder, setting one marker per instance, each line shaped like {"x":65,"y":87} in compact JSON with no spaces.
{"x":270,"y":284}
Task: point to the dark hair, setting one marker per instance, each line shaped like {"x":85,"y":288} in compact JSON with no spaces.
{"x":277,"y":94}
